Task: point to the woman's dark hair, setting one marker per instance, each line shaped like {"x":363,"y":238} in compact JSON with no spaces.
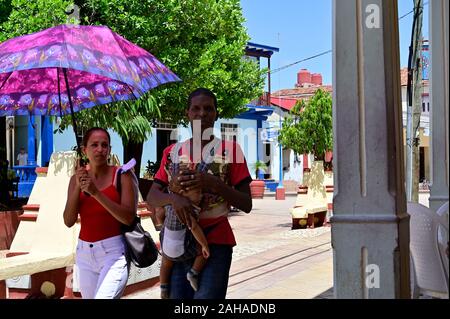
{"x":89,"y":132}
{"x":202,"y":91}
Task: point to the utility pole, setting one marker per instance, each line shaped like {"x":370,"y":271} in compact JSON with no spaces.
{"x":414,"y":102}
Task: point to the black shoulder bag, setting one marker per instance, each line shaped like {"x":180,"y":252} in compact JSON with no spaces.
{"x":141,"y":249}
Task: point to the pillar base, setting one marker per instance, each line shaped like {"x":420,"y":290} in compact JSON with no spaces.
{"x":3,"y":289}
{"x":280,"y":193}
{"x":55,"y":279}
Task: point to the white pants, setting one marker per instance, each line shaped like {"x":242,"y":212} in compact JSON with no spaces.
{"x":102,"y":268}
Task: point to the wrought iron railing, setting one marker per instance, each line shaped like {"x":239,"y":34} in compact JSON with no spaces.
{"x":26,"y":173}
{"x":27,"y":176}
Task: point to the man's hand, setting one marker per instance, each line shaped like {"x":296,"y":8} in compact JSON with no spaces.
{"x":191,"y":180}
{"x":183,"y":208}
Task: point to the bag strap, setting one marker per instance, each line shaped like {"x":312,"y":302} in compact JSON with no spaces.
{"x":124,"y":169}
{"x":117,"y":180}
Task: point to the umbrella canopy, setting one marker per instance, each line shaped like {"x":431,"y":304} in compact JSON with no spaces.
{"x":74,"y":67}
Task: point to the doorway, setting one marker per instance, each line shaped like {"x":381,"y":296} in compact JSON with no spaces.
{"x":162,"y":141}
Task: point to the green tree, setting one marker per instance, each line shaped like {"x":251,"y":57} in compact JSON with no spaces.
{"x":5,"y":10}
{"x":259,"y":166}
{"x":202,"y":41}
{"x":309,"y":127}
{"x":19,"y":17}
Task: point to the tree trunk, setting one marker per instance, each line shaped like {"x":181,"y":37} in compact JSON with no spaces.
{"x":3,"y":141}
{"x":319,"y":157}
{"x":133,"y":150}
{"x":415,"y":177}
{"x":4,"y":194}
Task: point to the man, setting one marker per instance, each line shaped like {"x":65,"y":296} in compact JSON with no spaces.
{"x":224,"y":182}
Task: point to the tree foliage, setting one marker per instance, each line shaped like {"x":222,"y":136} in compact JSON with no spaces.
{"x":19,"y":17}
{"x":309,"y":127}
{"x":259,"y":166}
{"x":201,"y":41}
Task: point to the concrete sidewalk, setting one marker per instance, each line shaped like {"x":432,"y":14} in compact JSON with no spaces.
{"x":271,"y":260}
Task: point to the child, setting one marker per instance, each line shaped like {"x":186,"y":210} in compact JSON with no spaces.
{"x":22,"y":157}
{"x":22,"y":160}
{"x":174,"y":232}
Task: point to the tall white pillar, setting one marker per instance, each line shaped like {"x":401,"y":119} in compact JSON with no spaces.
{"x":370,"y":227}
{"x":438,"y":19}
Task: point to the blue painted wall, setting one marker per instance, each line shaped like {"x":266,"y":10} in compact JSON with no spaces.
{"x":247,"y":138}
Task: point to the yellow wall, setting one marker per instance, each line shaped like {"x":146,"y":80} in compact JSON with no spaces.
{"x":425,"y":143}
{"x":424,"y":140}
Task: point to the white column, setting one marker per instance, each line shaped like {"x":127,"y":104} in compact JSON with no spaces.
{"x":370,"y":227}
{"x":438,"y":19}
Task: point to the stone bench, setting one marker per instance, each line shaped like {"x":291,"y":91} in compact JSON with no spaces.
{"x":45,"y":244}
{"x":42,"y":255}
{"x":311,"y":206}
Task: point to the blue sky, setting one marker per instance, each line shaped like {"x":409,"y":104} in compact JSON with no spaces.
{"x":303,"y":28}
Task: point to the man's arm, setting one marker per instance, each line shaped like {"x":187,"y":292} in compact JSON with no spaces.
{"x":182,"y":205}
{"x":239,"y":196}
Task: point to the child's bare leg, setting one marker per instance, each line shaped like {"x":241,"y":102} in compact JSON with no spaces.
{"x":164,"y":276}
{"x":200,"y":260}
{"x":199,"y":236}
{"x":199,"y":263}
{"x":193,"y":273}
{"x":160,"y":215}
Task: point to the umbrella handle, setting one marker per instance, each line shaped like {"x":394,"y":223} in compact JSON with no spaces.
{"x":82,"y":163}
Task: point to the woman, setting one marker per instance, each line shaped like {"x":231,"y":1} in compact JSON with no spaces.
{"x":224,"y":182}
{"x":100,"y":256}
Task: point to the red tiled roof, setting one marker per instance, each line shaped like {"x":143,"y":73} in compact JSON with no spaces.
{"x":307,"y":92}
{"x":404,"y":78}
{"x":300,"y":93}
{"x":282,"y":102}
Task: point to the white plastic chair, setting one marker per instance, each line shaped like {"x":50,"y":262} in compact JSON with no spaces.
{"x":429,"y":259}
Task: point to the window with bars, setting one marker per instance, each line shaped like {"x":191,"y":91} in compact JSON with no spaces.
{"x":229,"y":131}
{"x":164,"y":125}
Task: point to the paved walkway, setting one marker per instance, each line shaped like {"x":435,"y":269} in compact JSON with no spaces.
{"x":273,"y":261}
